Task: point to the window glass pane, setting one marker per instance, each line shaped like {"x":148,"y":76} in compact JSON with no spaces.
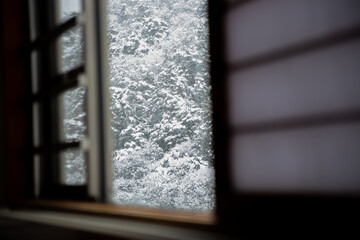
{"x":71,"y":49}
{"x":71,"y":43}
{"x":73,"y":167}
{"x":73,"y":115}
{"x":73,"y":128}
{"x":68,"y":9}
{"x":34,"y":72}
{"x":161,"y":110}
{"x":36,"y":124}
{"x":37,"y":173}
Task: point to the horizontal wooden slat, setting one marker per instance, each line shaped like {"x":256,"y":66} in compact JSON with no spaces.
{"x":54,"y":148}
{"x":47,"y":38}
{"x":62,"y":82}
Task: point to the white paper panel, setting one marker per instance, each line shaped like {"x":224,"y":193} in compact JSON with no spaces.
{"x":261,"y":26}
{"x":322,"y":160}
{"x":313,"y":83}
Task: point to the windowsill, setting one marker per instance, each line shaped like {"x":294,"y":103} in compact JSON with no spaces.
{"x":127,"y":225}
{"x":150,"y":214}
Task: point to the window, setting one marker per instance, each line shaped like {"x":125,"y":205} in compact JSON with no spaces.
{"x":161,"y":111}
{"x":262,"y":152}
{"x":69,"y":153}
{"x":161,"y":125}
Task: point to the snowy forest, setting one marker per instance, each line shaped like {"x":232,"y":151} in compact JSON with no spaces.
{"x":160,"y":104}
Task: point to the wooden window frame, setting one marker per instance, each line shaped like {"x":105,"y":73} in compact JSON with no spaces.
{"x":23,"y":197}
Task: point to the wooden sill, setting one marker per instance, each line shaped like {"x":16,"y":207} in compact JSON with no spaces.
{"x":205,"y":219}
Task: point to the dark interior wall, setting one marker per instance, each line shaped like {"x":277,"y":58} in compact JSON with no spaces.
{"x":2,"y":152}
{"x":2,"y":139}
{"x":2,"y":148}
{"x":14,"y":123}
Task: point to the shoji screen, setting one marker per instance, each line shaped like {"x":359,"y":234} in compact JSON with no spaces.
{"x":294,"y":93}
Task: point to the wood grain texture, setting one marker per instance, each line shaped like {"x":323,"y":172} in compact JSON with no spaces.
{"x":124,"y":211}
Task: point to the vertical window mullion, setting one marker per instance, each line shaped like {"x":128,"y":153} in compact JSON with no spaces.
{"x":98,"y":119}
{"x":47,"y":117}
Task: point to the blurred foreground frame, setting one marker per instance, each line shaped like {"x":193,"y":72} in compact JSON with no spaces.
{"x":247,"y":204}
